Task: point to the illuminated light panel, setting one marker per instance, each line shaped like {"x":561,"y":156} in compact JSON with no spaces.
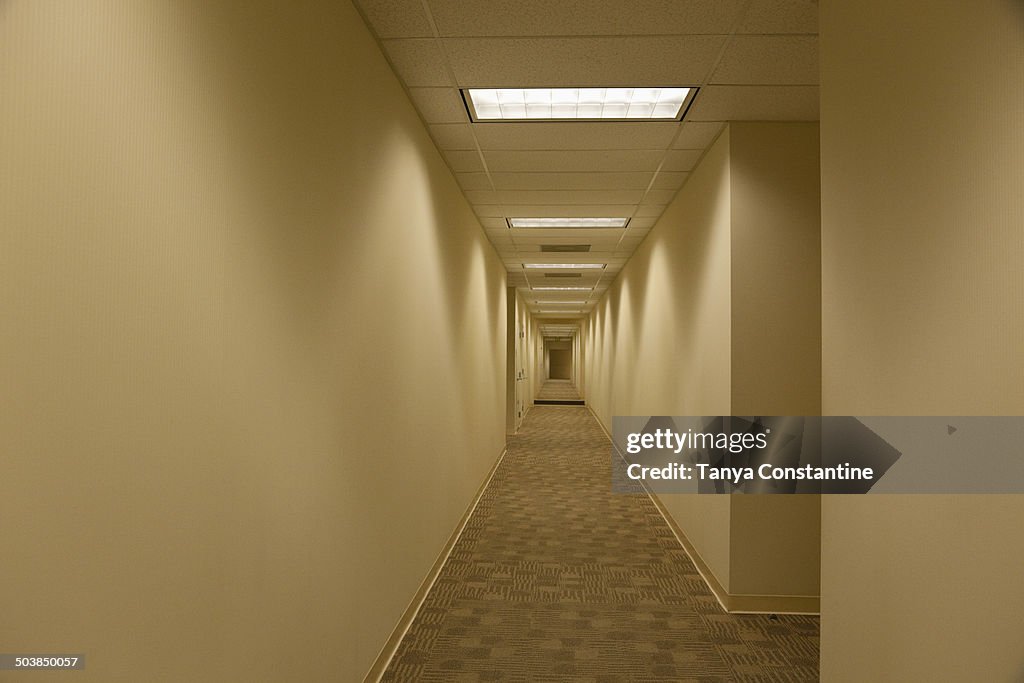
{"x":559,"y":312}
{"x":531,"y":104}
{"x":556,"y":223}
{"x":561,"y":303}
{"x":561,"y":289}
{"x":566,"y":266}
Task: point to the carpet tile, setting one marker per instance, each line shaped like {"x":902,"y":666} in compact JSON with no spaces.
{"x":557,"y":578}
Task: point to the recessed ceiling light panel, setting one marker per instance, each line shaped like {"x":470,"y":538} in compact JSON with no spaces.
{"x":556,"y":223}
{"x":564,"y":266}
{"x":575,"y":104}
{"x":561,"y":289}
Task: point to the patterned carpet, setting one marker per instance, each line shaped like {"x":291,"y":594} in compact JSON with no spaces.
{"x":558,"y":389}
{"x":555,"y":578}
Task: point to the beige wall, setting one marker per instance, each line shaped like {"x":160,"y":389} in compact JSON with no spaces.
{"x":718,"y":314}
{"x":658,"y":343}
{"x":522,"y":349}
{"x":776,"y":269}
{"x":534,"y":356}
{"x":513,"y":361}
{"x":776,"y":339}
{"x":216,"y":220}
{"x":922,"y":130}
{"x":577,"y":363}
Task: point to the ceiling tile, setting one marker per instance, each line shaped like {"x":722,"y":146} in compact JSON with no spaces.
{"x":629,"y":245}
{"x":781,"y":16}
{"x":397,"y":18}
{"x":473,"y":181}
{"x":642,"y":222}
{"x":464,"y":162}
{"x":569,"y":62}
{"x":650,"y":210}
{"x":603,"y":242}
{"x":546,"y":197}
{"x":635,"y":232}
{"x":451,"y":136}
{"x":569,"y":135}
{"x":482,"y":196}
{"x":489,"y":211}
{"x":769,"y":60}
{"x":637,"y":160}
{"x":669,"y":181}
{"x":587,"y":210}
{"x":583,"y":17}
{"x":756,"y":103}
{"x":418,"y":62}
{"x":493,"y":223}
{"x":660,"y":196}
{"x":698,"y":134}
{"x":439,"y":105}
{"x":681,"y":159}
{"x":571,"y":181}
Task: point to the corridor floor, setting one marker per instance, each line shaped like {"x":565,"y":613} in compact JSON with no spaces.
{"x":558,"y":389}
{"x":556,"y":578}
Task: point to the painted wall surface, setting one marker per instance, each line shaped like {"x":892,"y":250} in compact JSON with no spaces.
{"x":577,"y":363}
{"x":776,"y":339}
{"x":776,"y":268}
{"x":716,"y":314}
{"x":215,"y":220}
{"x":522,"y":346}
{"x":658,"y":343}
{"x":922,"y":134}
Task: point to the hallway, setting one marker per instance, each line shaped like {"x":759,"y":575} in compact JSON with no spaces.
{"x":557,"y":578}
{"x":282,"y":285}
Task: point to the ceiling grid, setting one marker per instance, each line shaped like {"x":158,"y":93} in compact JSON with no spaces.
{"x":750,"y":59}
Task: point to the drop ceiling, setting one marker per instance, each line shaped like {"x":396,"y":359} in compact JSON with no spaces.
{"x":750,"y":59}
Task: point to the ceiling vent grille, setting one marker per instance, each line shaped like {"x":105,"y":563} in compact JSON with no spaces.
{"x":563,"y":274}
{"x":565,"y":247}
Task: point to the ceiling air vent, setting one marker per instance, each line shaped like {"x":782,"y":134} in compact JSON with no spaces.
{"x":563,"y":274}
{"x":565,"y":247}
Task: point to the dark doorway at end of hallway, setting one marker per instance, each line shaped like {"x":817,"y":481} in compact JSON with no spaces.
{"x":560,"y":365}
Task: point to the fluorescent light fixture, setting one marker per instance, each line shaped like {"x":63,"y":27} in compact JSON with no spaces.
{"x":555,"y":223}
{"x":562,"y":289}
{"x":560,"y":312}
{"x":561,"y":303}
{"x":567,"y":266}
{"x":531,"y":104}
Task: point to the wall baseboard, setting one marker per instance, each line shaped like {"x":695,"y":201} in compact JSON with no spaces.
{"x":737,"y":603}
{"x":383,"y":659}
{"x":733,"y":603}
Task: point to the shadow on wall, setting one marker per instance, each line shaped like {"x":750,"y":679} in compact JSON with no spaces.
{"x":286,"y":110}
